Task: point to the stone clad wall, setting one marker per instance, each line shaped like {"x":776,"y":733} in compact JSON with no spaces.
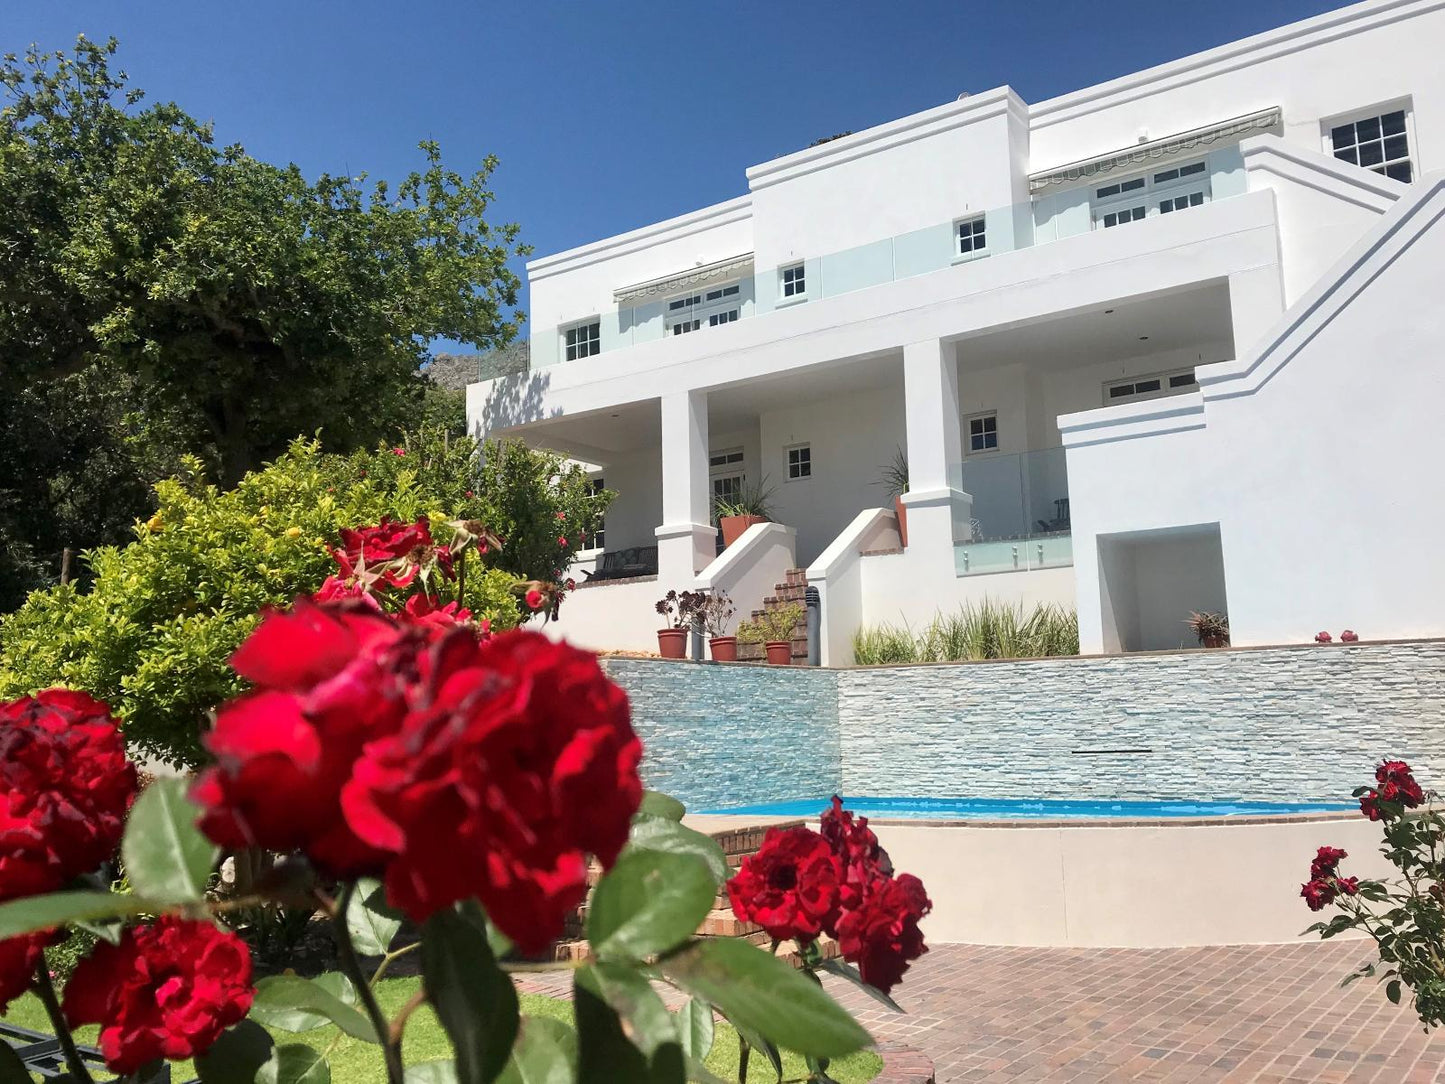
{"x":718,"y":736}
{"x":1282,"y":724}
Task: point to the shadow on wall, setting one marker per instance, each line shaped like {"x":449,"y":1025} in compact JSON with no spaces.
{"x":514,"y":400}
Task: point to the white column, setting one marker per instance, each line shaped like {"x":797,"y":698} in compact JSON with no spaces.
{"x":938,"y":510}
{"x":686,"y":540}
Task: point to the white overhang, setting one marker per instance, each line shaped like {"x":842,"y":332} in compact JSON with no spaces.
{"x":697,"y":276}
{"x":1155,"y":149}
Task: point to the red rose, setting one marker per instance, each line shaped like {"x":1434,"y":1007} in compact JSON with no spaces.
{"x":19,"y":957}
{"x":1370,"y":806}
{"x":398,"y":451}
{"x":1323,"y":637}
{"x":335,"y":589}
{"x":1349,"y":636}
{"x":561,"y":540}
{"x":1347,"y":886}
{"x":1326,"y":861}
{"x":328,"y":679}
{"x":561,"y":515}
{"x":1318,"y":893}
{"x":534,"y":599}
{"x":881,"y":934}
{"x":397,"y":546}
{"x":166,"y":990}
{"x":516,"y":762}
{"x":423,"y":610}
{"x":790,"y":887}
{"x":860,"y":857}
{"x":65,"y":787}
{"x":1397,"y":787}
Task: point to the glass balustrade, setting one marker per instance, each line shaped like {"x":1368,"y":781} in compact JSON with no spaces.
{"x":1019,"y":518}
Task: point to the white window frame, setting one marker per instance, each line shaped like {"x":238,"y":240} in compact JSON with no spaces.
{"x":694,"y":310}
{"x":981,"y":249}
{"x":1149,"y":191}
{"x":1171,"y":382}
{"x":580,"y":347}
{"x":804,"y":447}
{"x":1380,"y":111}
{"x":981,"y":416}
{"x":800,"y":272}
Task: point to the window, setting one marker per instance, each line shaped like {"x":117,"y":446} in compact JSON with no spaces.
{"x":972,"y":237}
{"x":1379,"y":143}
{"x":599,"y":522}
{"x":983,"y":432}
{"x":1152,"y":386}
{"x":726,"y":470}
{"x":731,"y":457}
{"x":794,"y":284}
{"x":800,"y":462}
{"x":727,"y":487}
{"x":584,"y":340}
{"x":711,"y":307}
{"x":1161,"y":192}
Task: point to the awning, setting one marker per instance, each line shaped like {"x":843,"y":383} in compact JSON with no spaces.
{"x":732,"y":267}
{"x":1155,"y":149}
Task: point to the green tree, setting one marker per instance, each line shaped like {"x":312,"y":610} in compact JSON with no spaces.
{"x":243,"y":300}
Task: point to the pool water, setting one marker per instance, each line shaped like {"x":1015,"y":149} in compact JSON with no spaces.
{"x":1027,"y":809}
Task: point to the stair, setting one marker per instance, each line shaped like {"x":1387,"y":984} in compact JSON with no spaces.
{"x":737,"y":844}
{"x":794,"y":583}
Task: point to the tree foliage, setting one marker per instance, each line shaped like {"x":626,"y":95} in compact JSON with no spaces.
{"x":251,"y":302}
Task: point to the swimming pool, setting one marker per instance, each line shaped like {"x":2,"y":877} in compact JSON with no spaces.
{"x":948,"y":809}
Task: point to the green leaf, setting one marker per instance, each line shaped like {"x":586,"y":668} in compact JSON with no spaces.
{"x":292,"y":1003}
{"x":852,"y":974}
{"x":605,"y":1055}
{"x":432,"y":1072}
{"x":370,"y":922}
{"x":165,"y":855}
{"x":546,"y":1053}
{"x":12,"y":1069}
{"x":657,"y":804}
{"x":650,"y":902}
{"x":333,"y":982}
{"x":237,"y":1057}
{"x":62,"y":908}
{"x":655,"y":834}
{"x":1392,"y":990}
{"x":758,"y":991}
{"x":295,"y":1063}
{"x":474,"y":1000}
{"x":646,"y":1020}
{"x":695,"y":1028}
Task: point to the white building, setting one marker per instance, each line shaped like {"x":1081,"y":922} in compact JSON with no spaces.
{"x":1169,"y":343}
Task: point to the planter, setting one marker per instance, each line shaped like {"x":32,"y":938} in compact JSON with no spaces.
{"x":672,"y":643}
{"x":780,"y":652}
{"x":901,"y":510}
{"x":1214,"y":641}
{"x":734,"y":526}
{"x":724,"y":648}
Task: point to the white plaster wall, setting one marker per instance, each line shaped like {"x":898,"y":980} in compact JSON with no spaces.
{"x":899,"y":590}
{"x":1157,"y":583}
{"x":1359,"y":56}
{"x":610,"y":616}
{"x":851,"y":437}
{"x":633,"y":516}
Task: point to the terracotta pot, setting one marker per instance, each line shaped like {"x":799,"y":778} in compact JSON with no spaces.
{"x":902,"y":511}
{"x":780,"y":652}
{"x":672,"y":643}
{"x":734,"y":526}
{"x":724,"y":648}
{"x":1216,"y":641}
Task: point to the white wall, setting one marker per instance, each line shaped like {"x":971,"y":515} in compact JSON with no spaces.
{"x":636,"y":512}
{"x":611,"y":616}
{"x":1154,"y":583}
{"x":898,"y":591}
{"x":1315,"y":455}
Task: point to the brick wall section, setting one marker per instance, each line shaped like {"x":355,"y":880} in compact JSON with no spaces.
{"x":716,"y":736}
{"x":1289,"y":724}
{"x":791,"y":590}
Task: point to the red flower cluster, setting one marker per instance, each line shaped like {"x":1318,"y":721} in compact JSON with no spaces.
{"x":841,"y":883}
{"x":422,"y":610}
{"x":166,"y":990}
{"x":452,"y":767}
{"x":65,"y":787}
{"x":1396,"y":788}
{"x":397,"y":549}
{"x":1324,"y":883}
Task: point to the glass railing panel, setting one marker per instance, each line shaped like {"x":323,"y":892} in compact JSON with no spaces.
{"x":996,"y":486}
{"x":1020,"y":516}
{"x":1051,"y":551}
{"x":978,"y":558}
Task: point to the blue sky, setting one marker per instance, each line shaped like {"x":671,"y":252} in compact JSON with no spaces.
{"x":607,"y":116}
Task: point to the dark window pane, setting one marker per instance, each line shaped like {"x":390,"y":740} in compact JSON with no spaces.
{"x":1190,"y":170}
{"x":1348,"y":155}
{"x":1396,"y":147}
{"x":1181,"y":380}
{"x":1393,"y":123}
{"x":1371,"y":154}
{"x":1343,"y":136}
{"x":1107,"y":190}
{"x":1196,"y":199}
{"x":1146,"y":385}
{"x":1400,"y":171}
{"x":1120,"y":390}
{"x":1367,"y":129}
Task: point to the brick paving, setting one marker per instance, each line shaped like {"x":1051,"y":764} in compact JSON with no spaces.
{"x":1235,"y":1013}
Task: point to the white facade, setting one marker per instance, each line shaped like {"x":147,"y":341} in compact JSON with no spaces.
{"x":1160,"y":345}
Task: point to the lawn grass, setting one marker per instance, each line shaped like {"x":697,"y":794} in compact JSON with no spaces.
{"x":356,"y":1062}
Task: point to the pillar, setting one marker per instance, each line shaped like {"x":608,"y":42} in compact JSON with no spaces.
{"x":938,"y":510}
{"x":686,"y":540}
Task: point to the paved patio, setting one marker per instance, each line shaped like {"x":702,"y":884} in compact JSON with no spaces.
{"x":1238,"y":1013}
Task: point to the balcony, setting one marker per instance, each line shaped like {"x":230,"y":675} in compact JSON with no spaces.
{"x":1020,"y":515}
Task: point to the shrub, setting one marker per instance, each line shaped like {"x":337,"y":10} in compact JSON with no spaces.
{"x":988,"y":630}
{"x":153,"y":635}
{"x":772,"y":626}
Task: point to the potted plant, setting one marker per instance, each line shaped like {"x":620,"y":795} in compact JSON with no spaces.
{"x":751,"y":505}
{"x":774,"y":630}
{"x":893,"y":477}
{"x":1211,"y":629}
{"x":677,"y":611}
{"x":716,"y":611}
